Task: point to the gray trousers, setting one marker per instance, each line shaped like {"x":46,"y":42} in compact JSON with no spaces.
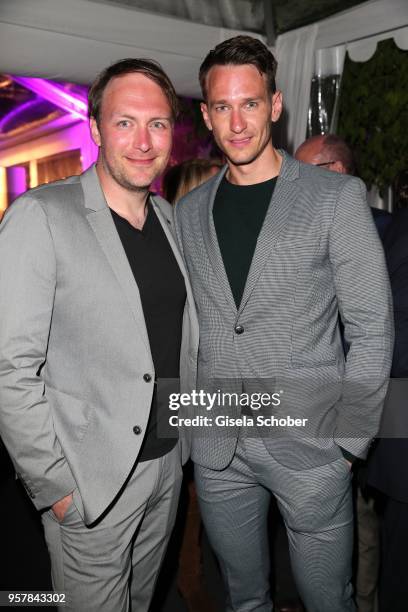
{"x":316,"y":506}
{"x":113,"y":566}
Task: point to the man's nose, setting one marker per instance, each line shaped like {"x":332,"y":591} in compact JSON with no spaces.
{"x":142,"y":139}
{"x":237,"y":121}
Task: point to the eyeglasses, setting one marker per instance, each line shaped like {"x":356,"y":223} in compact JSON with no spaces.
{"x":326,"y":163}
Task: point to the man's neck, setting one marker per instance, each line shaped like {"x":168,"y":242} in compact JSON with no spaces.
{"x":264,"y":168}
{"x":131,"y":205}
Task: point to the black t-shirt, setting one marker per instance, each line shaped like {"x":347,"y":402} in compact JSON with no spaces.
{"x":163,"y":296}
{"x":239,"y":212}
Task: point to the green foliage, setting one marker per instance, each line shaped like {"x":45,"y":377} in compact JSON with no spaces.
{"x":373,"y":113}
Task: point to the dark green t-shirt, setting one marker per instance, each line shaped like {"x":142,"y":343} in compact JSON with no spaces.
{"x":239,"y":212}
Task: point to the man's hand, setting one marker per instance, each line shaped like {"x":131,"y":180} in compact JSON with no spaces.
{"x":60,"y":507}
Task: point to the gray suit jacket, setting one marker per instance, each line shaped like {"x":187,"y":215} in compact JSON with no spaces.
{"x":318,"y":254}
{"x":74,"y":345}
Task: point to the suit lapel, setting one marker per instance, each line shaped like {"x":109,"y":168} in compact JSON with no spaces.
{"x":101,"y":222}
{"x":161,"y":209}
{"x":211,"y":241}
{"x":285,"y":193}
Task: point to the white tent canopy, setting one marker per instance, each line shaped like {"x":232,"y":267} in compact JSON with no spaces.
{"x":74,"y":39}
{"x":301,"y":52}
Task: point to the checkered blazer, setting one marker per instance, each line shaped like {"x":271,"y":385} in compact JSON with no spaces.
{"x":318,"y":256}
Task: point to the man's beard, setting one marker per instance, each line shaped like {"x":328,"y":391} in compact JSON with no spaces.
{"x":121,"y":179}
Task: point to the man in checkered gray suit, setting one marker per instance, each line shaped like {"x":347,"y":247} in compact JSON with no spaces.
{"x":276,"y":251}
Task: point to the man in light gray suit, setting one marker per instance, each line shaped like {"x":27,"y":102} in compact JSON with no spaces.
{"x":273,"y":260}
{"x":95,"y":308}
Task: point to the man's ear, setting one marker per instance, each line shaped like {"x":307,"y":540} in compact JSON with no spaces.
{"x":276,"y":106}
{"x":338,"y":166}
{"x":96,"y":137}
{"x":206,"y":116}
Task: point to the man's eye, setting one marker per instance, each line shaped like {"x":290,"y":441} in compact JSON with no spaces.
{"x":221,"y":108}
{"x":252,"y":104}
{"x":159,"y":125}
{"x":123,"y":123}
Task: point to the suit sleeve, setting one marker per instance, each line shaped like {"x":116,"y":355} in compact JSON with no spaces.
{"x":364,"y":299}
{"x":27,"y":288}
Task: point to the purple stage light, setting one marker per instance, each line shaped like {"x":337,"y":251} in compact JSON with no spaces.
{"x":15,"y":112}
{"x":55,"y":93}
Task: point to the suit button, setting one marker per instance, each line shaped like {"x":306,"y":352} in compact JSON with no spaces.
{"x":238,"y":329}
{"x":147,"y":377}
{"x":137,"y":430}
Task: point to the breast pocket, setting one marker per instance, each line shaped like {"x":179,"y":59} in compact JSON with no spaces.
{"x":297,"y":242}
{"x":313,"y":309}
